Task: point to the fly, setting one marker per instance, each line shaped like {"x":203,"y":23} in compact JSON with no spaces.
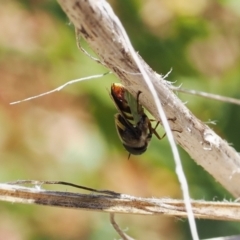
{"x":133,"y":126}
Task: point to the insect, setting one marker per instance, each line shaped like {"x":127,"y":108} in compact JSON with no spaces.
{"x":133,"y":126}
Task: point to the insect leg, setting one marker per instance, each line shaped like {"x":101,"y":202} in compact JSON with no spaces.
{"x":153,"y":130}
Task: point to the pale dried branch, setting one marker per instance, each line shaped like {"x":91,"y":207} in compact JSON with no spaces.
{"x":235,"y":237}
{"x":96,"y":22}
{"x":207,"y":95}
{"x":118,"y":229}
{"x":112,"y":202}
{"x":60,"y":87}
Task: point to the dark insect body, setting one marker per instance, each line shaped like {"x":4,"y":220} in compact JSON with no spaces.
{"x":133,"y":126}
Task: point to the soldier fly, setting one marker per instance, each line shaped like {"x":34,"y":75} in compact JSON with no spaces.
{"x":133,"y":126}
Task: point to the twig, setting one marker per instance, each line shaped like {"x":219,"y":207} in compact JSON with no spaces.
{"x":38,"y":183}
{"x":60,"y":87}
{"x":235,"y":237}
{"x":207,"y":95}
{"x":118,"y":229}
{"x":118,"y":203}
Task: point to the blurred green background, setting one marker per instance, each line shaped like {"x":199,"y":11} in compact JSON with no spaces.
{"x":70,"y":135}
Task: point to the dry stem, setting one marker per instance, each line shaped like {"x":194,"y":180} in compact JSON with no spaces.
{"x":111,"y":202}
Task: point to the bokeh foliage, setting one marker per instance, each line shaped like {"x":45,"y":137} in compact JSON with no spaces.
{"x":70,"y":135}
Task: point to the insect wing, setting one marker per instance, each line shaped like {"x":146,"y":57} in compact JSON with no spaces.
{"x":118,"y":96}
{"x":136,"y":109}
{"x":126,"y":131}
